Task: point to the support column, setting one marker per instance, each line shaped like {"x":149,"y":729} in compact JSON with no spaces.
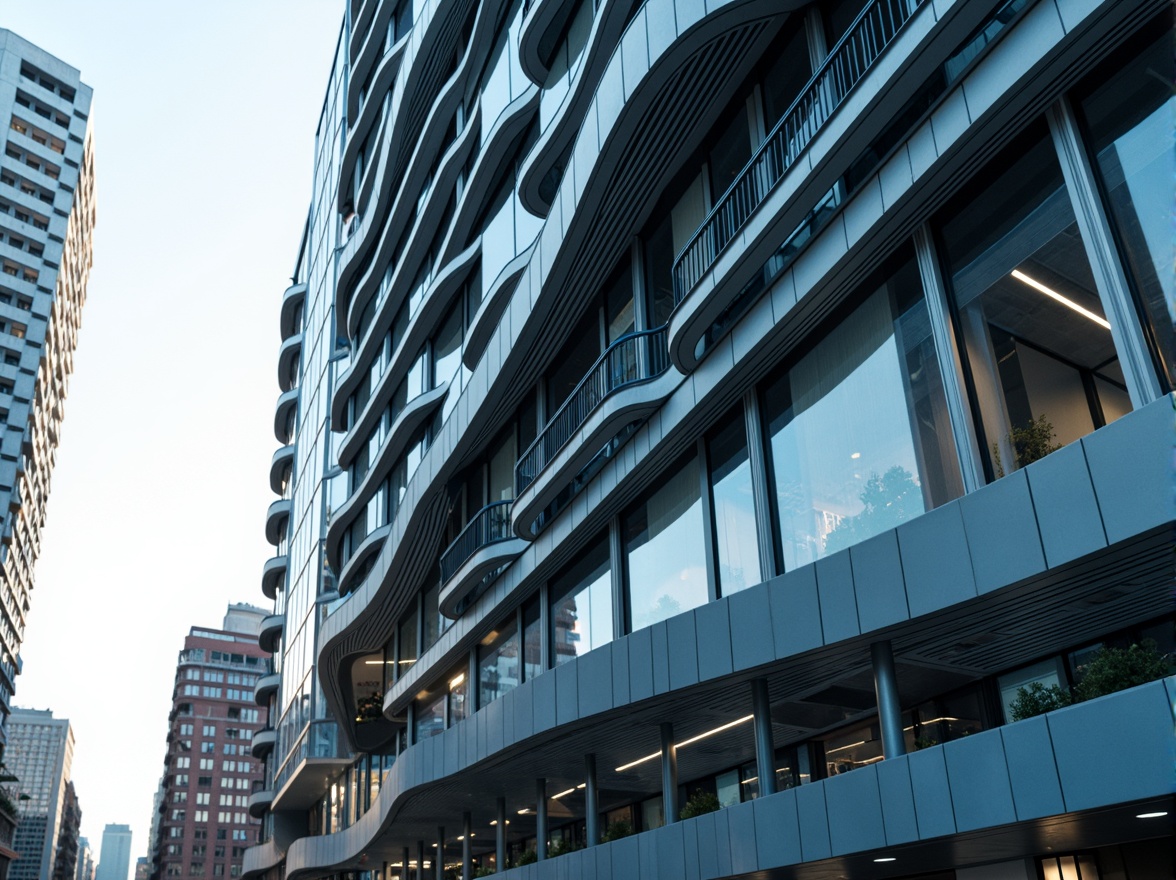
{"x":541,"y":818}
{"x":591,"y":801}
{"x":889,"y":708}
{"x":439,"y":859}
{"x":467,"y":828}
{"x":669,"y":763}
{"x":420,"y":871}
{"x":500,"y":838}
{"x":404,"y":860}
{"x":765,"y":749}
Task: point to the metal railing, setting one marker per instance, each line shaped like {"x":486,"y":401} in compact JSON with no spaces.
{"x":869,"y":35}
{"x":490,"y":525}
{"x":631,"y":360}
{"x":319,"y":739}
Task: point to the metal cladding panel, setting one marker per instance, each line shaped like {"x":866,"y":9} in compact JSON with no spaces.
{"x":1063,"y":499}
{"x":595,"y":681}
{"x":839,"y":616}
{"x":625,"y":859}
{"x":898,"y":801}
{"x":713,"y":621}
{"x":932,"y":792}
{"x":935,"y":560}
{"x":751,"y":628}
{"x":659,"y":637}
{"x":1036,"y":789}
{"x":685,"y":644}
{"x":567,"y":701}
{"x":777,"y":829}
{"x":855,"y":811}
{"x":976,"y":764}
{"x":620,"y":672}
{"x":707,"y":842}
{"x":640,"y":646}
{"x":543,"y":698}
{"x":1002,"y":533}
{"x":741,"y":833}
{"x":878,"y":584}
{"x":814,"y":822}
{"x":796,"y":611}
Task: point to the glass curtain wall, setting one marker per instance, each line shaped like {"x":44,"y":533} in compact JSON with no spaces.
{"x":734,"y":533}
{"x":581,"y":604}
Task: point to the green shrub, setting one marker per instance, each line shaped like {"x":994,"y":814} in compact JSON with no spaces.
{"x":616,"y":830}
{"x":1036,"y":698}
{"x":484,"y":871}
{"x":1030,"y":443}
{"x":526,"y":857}
{"x":700,"y":802}
{"x":1115,"y":669}
{"x":559,"y":847}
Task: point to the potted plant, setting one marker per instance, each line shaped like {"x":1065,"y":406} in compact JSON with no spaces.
{"x":700,"y":802}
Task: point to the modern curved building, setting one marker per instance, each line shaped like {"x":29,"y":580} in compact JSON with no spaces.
{"x":706,"y":425}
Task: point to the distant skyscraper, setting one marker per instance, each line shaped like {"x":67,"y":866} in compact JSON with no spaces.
{"x":205,"y":804}
{"x":65,"y":863}
{"x":46,"y":220}
{"x":142,"y":868}
{"x":115,"y":861}
{"x":85,"y":870}
{"x":40,"y":754}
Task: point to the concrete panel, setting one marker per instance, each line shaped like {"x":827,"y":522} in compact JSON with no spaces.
{"x":751,"y":628}
{"x":1130,"y":464}
{"x":796,"y":612}
{"x":640,"y":665}
{"x":595,"y":681}
{"x":1068,"y":519}
{"x":683,"y":645}
{"x":659,"y":639}
{"x":898,"y":801}
{"x":976,"y":770}
{"x":933,"y":809}
{"x":814,"y":822}
{"x":839,"y":617}
{"x":620,"y":672}
{"x":567,"y":700}
{"x":855,"y":811}
{"x":713,"y":623}
{"x":1032,"y":773}
{"x":1002,"y":533}
{"x":777,"y":829}
{"x":670,"y":860}
{"x":1116,"y":748}
{"x":935,"y":560}
{"x":543,"y":698}
{"x":878,"y":584}
{"x":741,"y":832}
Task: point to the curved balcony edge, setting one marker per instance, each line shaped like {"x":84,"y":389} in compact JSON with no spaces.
{"x":368,"y":55}
{"x":273,"y":575}
{"x":294,"y":297}
{"x":263,"y":742}
{"x":259,"y":802}
{"x":270,"y":632}
{"x":281,"y":466}
{"x":492,"y":307}
{"x":484,"y":545}
{"x":276,"y":518}
{"x":288,"y":355}
{"x":283,"y":428}
{"x":540,"y":17}
{"x":363,"y":124}
{"x":261,"y":858}
{"x":266,"y":687}
{"x":362,"y":553}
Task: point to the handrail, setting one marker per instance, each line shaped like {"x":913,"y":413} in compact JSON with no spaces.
{"x":489,"y":525}
{"x":632,"y":359}
{"x":871,"y":32}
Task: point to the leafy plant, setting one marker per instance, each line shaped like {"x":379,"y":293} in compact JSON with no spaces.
{"x":484,"y":871}
{"x":699,"y":803}
{"x":561,"y":846}
{"x":1116,"y":669}
{"x":369,"y":708}
{"x":923,"y":742}
{"x":616,"y":830}
{"x":1032,"y":442}
{"x":1035,"y":699}
{"x":526,"y":857}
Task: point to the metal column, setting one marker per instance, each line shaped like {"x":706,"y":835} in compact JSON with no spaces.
{"x":439,"y":859}
{"x":404,"y":860}
{"x":467,"y":829}
{"x":669,"y":763}
{"x":591,"y":801}
{"x":541,"y":818}
{"x":500,"y":837}
{"x":765,"y":750}
{"x":889,"y":708}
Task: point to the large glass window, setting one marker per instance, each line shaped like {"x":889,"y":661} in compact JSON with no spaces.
{"x":498,"y":663}
{"x":459,"y":695}
{"x":733,"y":505}
{"x":1043,"y":366}
{"x":1129,"y":116}
{"x":581,"y":605}
{"x":532,"y":639}
{"x":407,"y":651}
{"x":665,"y":564}
{"x":429,"y":716}
{"x":857,"y":425}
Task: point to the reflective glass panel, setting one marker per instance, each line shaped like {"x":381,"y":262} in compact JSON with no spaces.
{"x":733,"y":505}
{"x":532,"y":639}
{"x":498,"y":663}
{"x":430,"y":716}
{"x":581,"y":605}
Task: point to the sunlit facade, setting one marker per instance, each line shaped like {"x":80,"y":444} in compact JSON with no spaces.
{"x":732,"y":433}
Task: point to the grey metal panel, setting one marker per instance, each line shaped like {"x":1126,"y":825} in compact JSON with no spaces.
{"x":567,"y":701}
{"x":814,"y":822}
{"x":524,"y":711}
{"x":878,"y":583}
{"x":935,"y":560}
{"x":690,"y":849}
{"x":507,"y":702}
{"x":1130,"y":465}
{"x":1091,"y":735}
{"x":1170,"y":685}
{"x":933,"y":810}
{"x":898,"y":801}
{"x":855,"y":811}
{"x":620,"y":672}
{"x":624,"y":859}
{"x":640,"y":665}
{"x":722,"y":842}
{"x":751,"y":628}
{"x":1002,"y":533}
{"x":595,"y":681}
{"x":587,"y":864}
{"x":660,"y":649}
{"x":839,"y":617}
{"x":1032,"y":773}
{"x":708,"y":850}
{"x":683,"y":645}
{"x":777,"y":829}
{"x":604,"y":869}
{"x":670,"y":857}
{"x":1067,"y":511}
{"x":713,"y":621}
{"x":976,"y":769}
{"x":796,"y":612}
{"x":741,"y":833}
{"x":543,"y":702}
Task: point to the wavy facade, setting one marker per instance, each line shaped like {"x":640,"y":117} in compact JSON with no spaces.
{"x":713,"y":425}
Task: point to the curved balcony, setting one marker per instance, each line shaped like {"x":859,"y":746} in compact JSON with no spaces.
{"x":263,"y":742}
{"x":490,"y":309}
{"x":259,"y":802}
{"x":484,"y":546}
{"x":273,"y":575}
{"x":315,"y":755}
{"x":288,"y":356}
{"x":540,"y":19}
{"x":294,"y":297}
{"x":283,"y":416}
{"x":261,"y":858}
{"x":618,"y":390}
{"x":281,"y":468}
{"x":362,"y":117}
{"x":276,"y":519}
{"x":270,"y":632}
{"x":266,"y":687}
{"x":875,"y":29}
{"x":359,"y":563}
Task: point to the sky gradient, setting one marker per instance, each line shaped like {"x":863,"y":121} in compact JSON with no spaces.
{"x":204,"y":120}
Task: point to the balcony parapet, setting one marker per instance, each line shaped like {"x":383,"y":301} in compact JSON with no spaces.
{"x":259,"y":802}
{"x":294,"y":297}
{"x":270,"y":632}
{"x":273,"y":575}
{"x":281,"y":466}
{"x":263,"y":743}
{"x":283,"y":424}
{"x":288,"y":355}
{"x":266,"y":687}
{"x":486,"y":544}
{"x":276,"y":519}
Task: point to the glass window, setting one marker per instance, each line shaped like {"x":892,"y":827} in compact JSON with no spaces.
{"x":573,"y":362}
{"x":429,"y":714}
{"x":849,"y":749}
{"x":532,"y":639}
{"x":790,"y":73}
{"x":857,"y":426}
{"x":581,"y":605}
{"x":727,"y":788}
{"x":619,"y":317}
{"x":733,"y":505}
{"x":498,"y":663}
{"x":665,"y":565}
{"x":652,"y":814}
{"x":730,"y":152}
{"x":1043,"y":366}
{"x":459,"y":695}
{"x":408,"y":644}
{"x":1129,"y":116}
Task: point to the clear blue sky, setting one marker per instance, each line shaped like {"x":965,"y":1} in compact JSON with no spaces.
{"x":204,"y":118}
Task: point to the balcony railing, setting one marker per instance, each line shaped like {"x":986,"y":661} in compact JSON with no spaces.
{"x":855,"y":53}
{"x":320,"y":739}
{"x":490,"y":525}
{"x":631,"y":360}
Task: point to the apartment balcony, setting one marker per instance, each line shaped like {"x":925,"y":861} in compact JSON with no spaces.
{"x":273,"y":575}
{"x":276,"y":519}
{"x":266,"y":687}
{"x":318,"y":754}
{"x":485,"y":545}
{"x":288,"y":356}
{"x":292,"y":300}
{"x":281,"y":468}
{"x":625,"y":385}
{"x":263,"y":742}
{"x":259,"y":801}
{"x":283,"y":416}
{"x":270,"y":631}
